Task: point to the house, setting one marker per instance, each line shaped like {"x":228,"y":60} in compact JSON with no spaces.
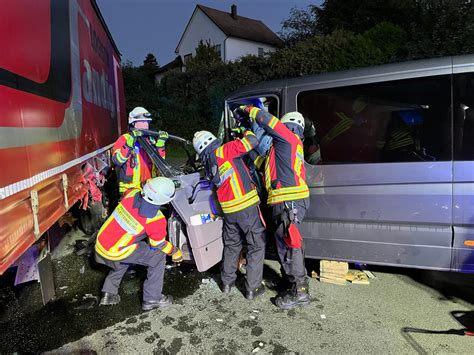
{"x":232,"y":35}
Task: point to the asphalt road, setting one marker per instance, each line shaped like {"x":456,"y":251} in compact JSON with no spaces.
{"x":399,"y":312}
{"x":394,"y":314}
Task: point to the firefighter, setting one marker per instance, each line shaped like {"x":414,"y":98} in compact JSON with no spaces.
{"x":239,"y":200}
{"x":288,"y":195}
{"x":121,"y":242}
{"x":133,"y":164}
{"x":402,"y":140}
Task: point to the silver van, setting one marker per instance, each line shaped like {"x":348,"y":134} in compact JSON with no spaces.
{"x":394,"y":184}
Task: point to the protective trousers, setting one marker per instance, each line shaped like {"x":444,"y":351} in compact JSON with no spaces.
{"x":237,"y":226}
{"x":292,"y":259}
{"x":154,"y":260}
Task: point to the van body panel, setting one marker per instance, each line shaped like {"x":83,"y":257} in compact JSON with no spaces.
{"x":463,"y":256}
{"x":463,"y":63}
{"x":463,"y":216}
{"x":384,"y":203}
{"x":386,"y":213}
{"x":364,"y":243}
{"x":398,"y":192}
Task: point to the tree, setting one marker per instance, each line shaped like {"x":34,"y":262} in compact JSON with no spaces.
{"x":389,"y":38}
{"x":139,"y":87}
{"x":442,"y":28}
{"x":206,"y":56}
{"x":150,"y":64}
{"x":421,"y":28}
{"x":359,"y":16}
{"x":338,"y":51}
{"x":301,"y":24}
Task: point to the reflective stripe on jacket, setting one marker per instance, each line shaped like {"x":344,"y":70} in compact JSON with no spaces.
{"x":118,"y":236}
{"x":134,"y":167}
{"x":236,"y":190}
{"x":285,"y":174}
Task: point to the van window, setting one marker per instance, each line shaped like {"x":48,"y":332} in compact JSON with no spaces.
{"x":463,"y":115}
{"x":395,"y":121}
{"x":270,"y":103}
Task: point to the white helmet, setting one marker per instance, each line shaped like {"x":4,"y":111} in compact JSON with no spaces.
{"x":159,"y":190}
{"x":293,"y":117}
{"x":139,"y":114}
{"x":202,"y":139}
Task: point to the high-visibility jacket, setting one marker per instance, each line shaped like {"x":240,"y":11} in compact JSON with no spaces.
{"x":133,"y":165}
{"x":285,"y":174}
{"x":119,"y":235}
{"x":236,"y":190}
{"x":401,"y":137}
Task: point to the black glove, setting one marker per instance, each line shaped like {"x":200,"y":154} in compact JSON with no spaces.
{"x":285,"y":219}
{"x":241,"y":114}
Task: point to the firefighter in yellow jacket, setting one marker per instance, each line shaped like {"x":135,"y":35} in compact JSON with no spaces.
{"x":133,"y":165}
{"x":121,"y":242}
{"x":288,"y":196}
{"x":239,"y":201}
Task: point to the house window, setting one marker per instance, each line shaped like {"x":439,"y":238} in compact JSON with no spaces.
{"x":187,"y":57}
{"x":260,"y":52}
{"x":217,"y":48}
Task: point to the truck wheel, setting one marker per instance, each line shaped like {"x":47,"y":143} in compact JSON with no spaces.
{"x":92,"y":218}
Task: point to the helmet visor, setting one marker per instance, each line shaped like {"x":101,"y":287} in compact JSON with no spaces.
{"x":146,"y":116}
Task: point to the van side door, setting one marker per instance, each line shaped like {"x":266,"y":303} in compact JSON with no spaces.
{"x":382,"y":192}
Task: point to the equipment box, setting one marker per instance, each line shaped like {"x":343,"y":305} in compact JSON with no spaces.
{"x":209,"y":255}
{"x":197,"y":197}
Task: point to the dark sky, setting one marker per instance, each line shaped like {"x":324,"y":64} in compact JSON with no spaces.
{"x":142,"y":26}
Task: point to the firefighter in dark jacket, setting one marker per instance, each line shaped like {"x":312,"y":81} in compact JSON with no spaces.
{"x":288,"y":195}
{"x":134,"y":167}
{"x":240,"y":203}
{"x":121,"y":242}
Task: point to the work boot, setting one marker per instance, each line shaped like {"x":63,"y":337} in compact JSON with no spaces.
{"x":298,"y":297}
{"x":284,"y":285}
{"x":164,"y":301}
{"x":253,"y":294}
{"x":226,"y":288}
{"x":109,"y":299}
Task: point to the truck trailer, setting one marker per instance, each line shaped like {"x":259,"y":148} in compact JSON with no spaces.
{"x":61,"y":109}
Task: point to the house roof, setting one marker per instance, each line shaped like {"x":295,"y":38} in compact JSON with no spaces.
{"x":175,"y":63}
{"x":240,"y":27}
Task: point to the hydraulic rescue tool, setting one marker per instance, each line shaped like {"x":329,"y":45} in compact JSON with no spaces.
{"x":203,"y":241}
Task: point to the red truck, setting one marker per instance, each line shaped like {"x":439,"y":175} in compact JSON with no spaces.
{"x":61,"y":109}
